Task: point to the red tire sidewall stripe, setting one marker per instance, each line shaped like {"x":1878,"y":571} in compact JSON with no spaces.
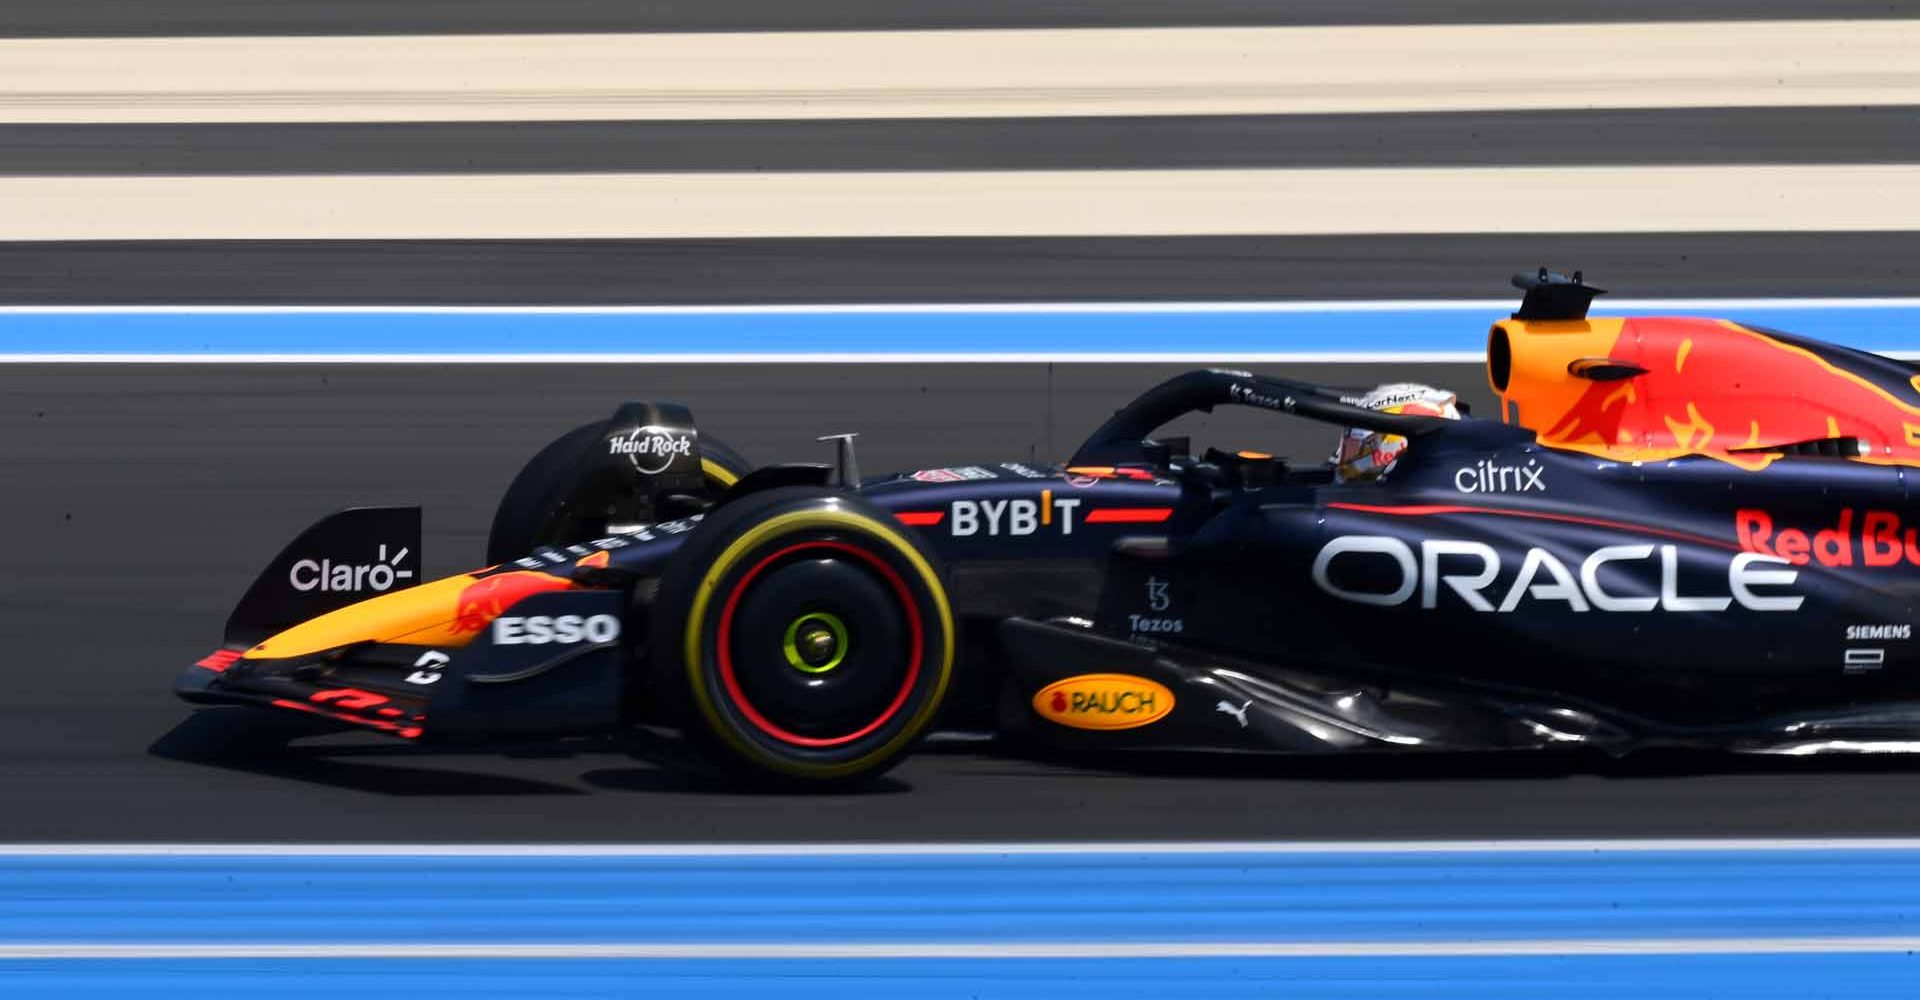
{"x":725,"y":651}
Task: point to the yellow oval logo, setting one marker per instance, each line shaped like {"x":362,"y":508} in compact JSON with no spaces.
{"x":1104,"y":701}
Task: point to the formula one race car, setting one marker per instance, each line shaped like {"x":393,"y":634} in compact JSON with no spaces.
{"x":1676,"y":532}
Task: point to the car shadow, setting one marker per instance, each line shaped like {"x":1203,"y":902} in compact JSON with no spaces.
{"x":1225,"y":765}
{"x":1707,"y":763}
{"x":268,"y":744}
{"x":700,"y":780}
{"x":1463,"y":766}
{"x":258,"y":743}
{"x":273,"y":745}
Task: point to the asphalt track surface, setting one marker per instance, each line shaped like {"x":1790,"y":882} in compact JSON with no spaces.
{"x":109,"y":18}
{"x":920,"y":270}
{"x":1632,"y":137}
{"x":141,"y":500}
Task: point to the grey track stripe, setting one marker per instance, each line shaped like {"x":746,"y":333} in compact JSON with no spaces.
{"x":487,"y":272}
{"x":107,"y":18}
{"x":1523,"y":138}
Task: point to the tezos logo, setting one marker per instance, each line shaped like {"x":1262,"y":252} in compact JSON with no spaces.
{"x":328,"y":576}
{"x":1249,"y":396}
{"x":566,"y":630}
{"x":1103,"y":701}
{"x":1487,"y":477}
{"x":1157,"y":600}
{"x":651,"y":449}
{"x":1142,"y":624}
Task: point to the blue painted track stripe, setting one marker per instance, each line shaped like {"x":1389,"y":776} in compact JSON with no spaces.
{"x":1736,"y":977}
{"x":1257,"y":897}
{"x":1327,"y":331}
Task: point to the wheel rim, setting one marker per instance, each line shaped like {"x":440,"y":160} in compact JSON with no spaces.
{"x":850,"y":664}
{"x":815,"y":643}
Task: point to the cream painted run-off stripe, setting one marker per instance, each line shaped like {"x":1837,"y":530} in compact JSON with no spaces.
{"x":919,"y":74}
{"x":1044,"y":203}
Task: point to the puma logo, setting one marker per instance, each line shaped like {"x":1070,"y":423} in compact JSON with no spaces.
{"x":1239,"y":714}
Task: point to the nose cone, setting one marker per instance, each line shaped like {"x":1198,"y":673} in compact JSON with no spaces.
{"x":429,"y":610}
{"x":447,"y":612}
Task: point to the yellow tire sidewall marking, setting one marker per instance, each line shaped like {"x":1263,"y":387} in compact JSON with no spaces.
{"x":717,"y":472}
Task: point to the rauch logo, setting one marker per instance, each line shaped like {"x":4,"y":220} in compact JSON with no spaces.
{"x":1104,"y":701}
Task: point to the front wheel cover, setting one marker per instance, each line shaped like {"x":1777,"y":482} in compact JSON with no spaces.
{"x":892,"y":589}
{"x":534,"y":509}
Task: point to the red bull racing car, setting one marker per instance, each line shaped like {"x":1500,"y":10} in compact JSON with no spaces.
{"x":1674,"y":532}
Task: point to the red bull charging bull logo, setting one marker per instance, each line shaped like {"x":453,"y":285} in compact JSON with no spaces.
{"x":490,"y":597}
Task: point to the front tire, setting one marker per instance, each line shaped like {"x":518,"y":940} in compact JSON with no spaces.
{"x":805,"y":638}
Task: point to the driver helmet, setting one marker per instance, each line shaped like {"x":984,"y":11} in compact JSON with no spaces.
{"x":1364,"y":455}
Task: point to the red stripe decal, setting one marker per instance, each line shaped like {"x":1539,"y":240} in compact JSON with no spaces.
{"x":920,"y":518}
{"x":404,"y":732}
{"x":349,"y":698}
{"x":218,"y":660}
{"x":1128,"y":515}
{"x":1428,"y":510}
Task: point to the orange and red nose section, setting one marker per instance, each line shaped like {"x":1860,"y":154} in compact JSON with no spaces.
{"x":448,"y":612}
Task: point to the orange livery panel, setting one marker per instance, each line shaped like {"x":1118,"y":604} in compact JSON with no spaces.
{"x":1655,"y":388}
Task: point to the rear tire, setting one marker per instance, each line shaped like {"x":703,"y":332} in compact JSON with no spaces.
{"x":803,"y":637}
{"x":537,"y":510}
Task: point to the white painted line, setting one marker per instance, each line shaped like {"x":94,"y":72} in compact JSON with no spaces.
{"x":1226,"y":358}
{"x":983,"y":73}
{"x":983,"y":950}
{"x":1062,"y":357}
{"x":1086,"y":203}
{"x":1278,"y":848}
{"x":1601,"y":307}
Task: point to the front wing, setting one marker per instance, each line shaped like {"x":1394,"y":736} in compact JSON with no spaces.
{"x":505,"y":683}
